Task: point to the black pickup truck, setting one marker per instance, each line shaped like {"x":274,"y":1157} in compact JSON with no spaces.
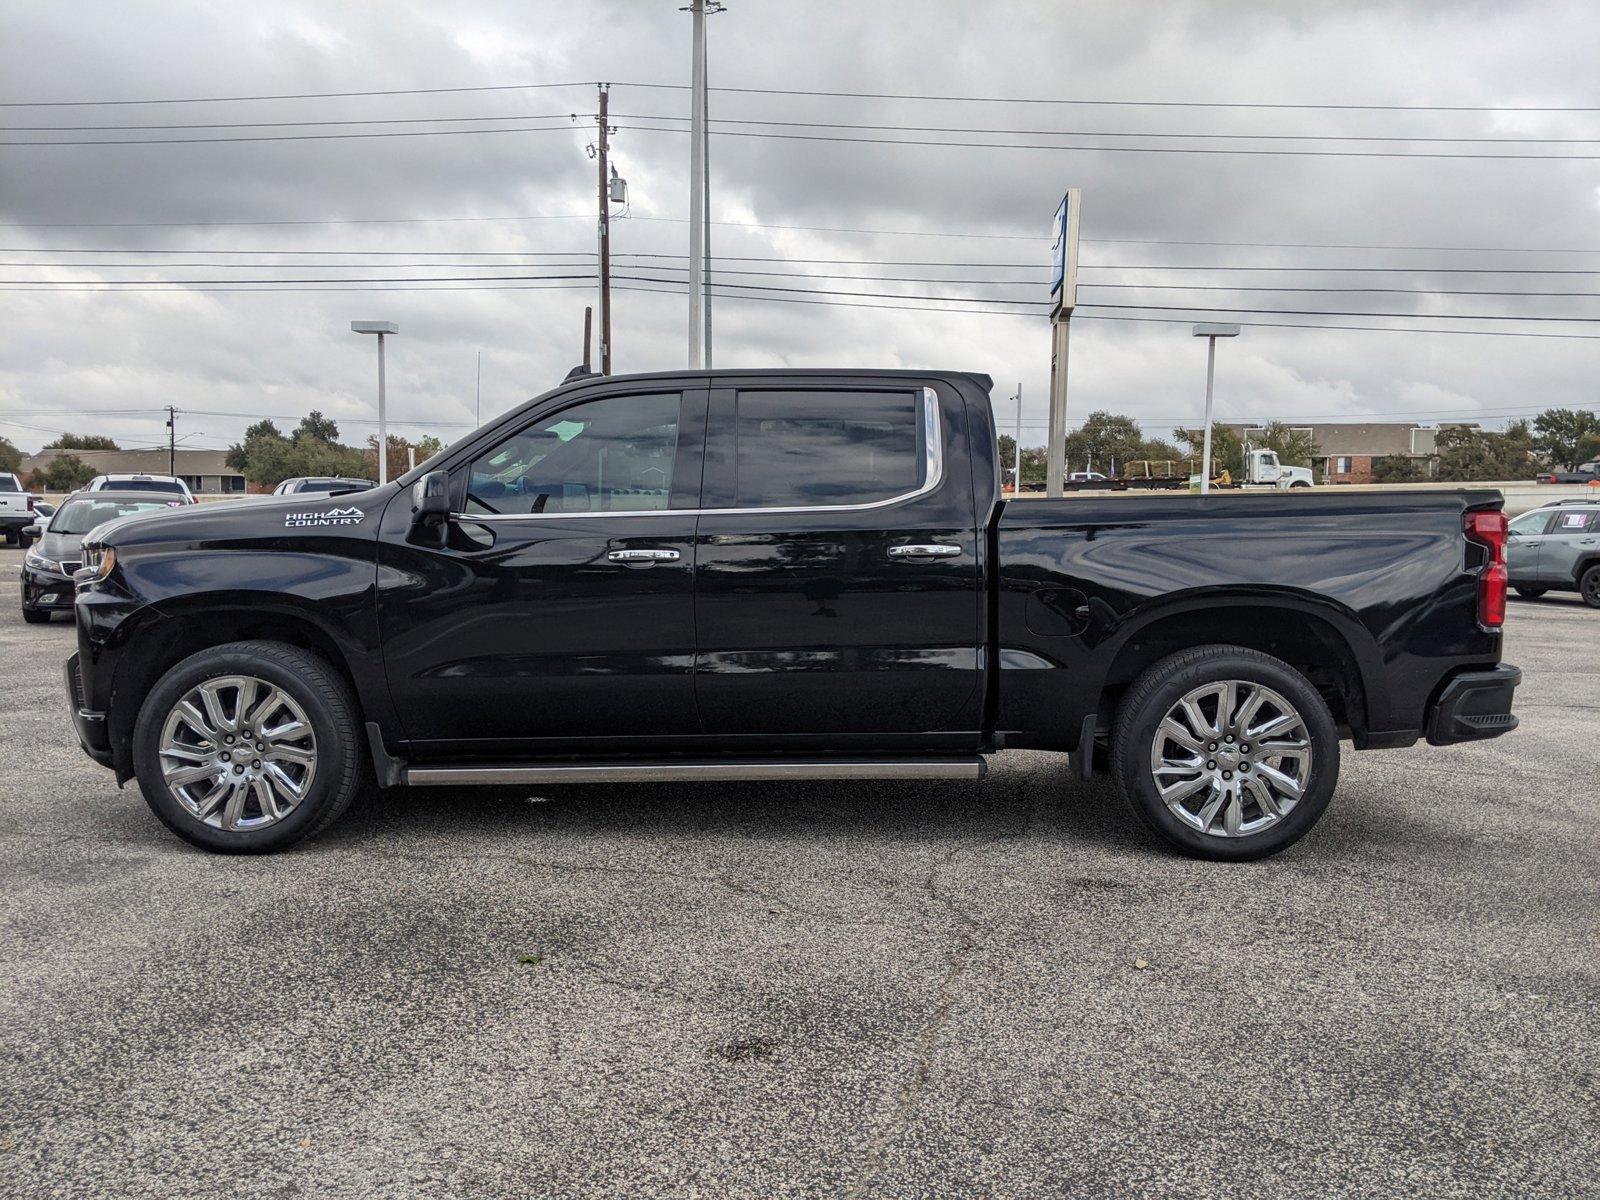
{"x":777,"y":575}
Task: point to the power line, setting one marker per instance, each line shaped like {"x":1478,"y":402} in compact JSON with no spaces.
{"x":294,"y":137}
{"x":862,"y":126}
{"x":505,"y":87}
{"x":814,"y":137}
{"x":1483,"y":108}
{"x":1105,"y":133}
{"x":849,"y":95}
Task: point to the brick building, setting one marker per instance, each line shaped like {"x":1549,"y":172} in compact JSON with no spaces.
{"x":203,"y":470}
{"x":1346,"y":452}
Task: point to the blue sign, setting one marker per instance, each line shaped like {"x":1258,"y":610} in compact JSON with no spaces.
{"x":1058,"y":249}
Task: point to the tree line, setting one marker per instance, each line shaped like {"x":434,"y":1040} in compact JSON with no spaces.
{"x":1556,"y":438}
{"x":265,"y":456}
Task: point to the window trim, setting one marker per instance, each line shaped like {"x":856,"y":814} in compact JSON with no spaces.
{"x":933,"y":476}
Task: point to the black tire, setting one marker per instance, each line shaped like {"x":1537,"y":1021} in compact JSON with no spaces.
{"x":1299,"y":483}
{"x":1531,"y":593}
{"x":329,"y":707}
{"x":24,"y":541}
{"x":1589,"y":586}
{"x":1161,"y":687}
{"x":35,"y":616}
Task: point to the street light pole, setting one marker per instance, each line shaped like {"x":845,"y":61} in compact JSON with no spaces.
{"x":1211,"y":332}
{"x":382,"y":329}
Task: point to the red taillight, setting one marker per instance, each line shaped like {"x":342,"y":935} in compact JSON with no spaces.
{"x":1488,"y":529}
{"x":30,"y":503}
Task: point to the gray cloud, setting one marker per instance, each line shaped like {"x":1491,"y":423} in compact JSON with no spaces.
{"x":246,"y":354}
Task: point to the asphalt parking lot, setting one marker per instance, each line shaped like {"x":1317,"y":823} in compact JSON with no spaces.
{"x":812,"y":990}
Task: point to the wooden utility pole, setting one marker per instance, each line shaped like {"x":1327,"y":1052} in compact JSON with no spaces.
{"x":602,"y":149}
{"x":172,"y":440}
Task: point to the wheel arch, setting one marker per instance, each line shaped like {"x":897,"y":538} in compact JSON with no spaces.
{"x":1321,"y":641}
{"x":167,"y":638}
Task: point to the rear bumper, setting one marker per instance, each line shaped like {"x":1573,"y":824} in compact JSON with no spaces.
{"x":1473,"y":706}
{"x":90,"y":725}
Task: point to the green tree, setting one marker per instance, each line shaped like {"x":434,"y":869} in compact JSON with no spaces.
{"x":10,"y":456}
{"x":315,"y":425}
{"x":82,"y":441}
{"x":1398,"y":468}
{"x":1567,"y":437}
{"x":238,"y":456}
{"x":1294,"y":447}
{"x":66,"y":473}
{"x":1468,"y":455}
{"x":1226,"y":447}
{"x":1104,"y":436}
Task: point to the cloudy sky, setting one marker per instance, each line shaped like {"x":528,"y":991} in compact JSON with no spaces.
{"x":845,"y":201}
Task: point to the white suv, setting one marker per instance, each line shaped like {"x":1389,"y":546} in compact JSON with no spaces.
{"x":166,"y":484}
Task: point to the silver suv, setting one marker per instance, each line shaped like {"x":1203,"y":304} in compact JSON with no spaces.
{"x":1556,"y":549}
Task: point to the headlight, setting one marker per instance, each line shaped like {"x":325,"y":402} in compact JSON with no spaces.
{"x":40,"y":563}
{"x":97,"y":563}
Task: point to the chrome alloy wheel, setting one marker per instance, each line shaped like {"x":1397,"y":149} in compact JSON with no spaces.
{"x":238,"y":753}
{"x":1231,"y":758}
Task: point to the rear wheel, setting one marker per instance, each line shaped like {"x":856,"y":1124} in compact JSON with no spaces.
{"x":35,"y":616}
{"x":1225,"y":753}
{"x":1589,"y":586}
{"x":1531,"y":593}
{"x":248,"y":748}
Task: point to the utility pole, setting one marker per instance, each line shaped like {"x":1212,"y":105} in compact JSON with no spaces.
{"x":588,"y":332}
{"x":172,"y":440}
{"x":602,"y":150}
{"x":1064,"y":294}
{"x":705,"y":181}
{"x":480,"y":378}
{"x":697,"y":188}
{"x":1016,"y":482}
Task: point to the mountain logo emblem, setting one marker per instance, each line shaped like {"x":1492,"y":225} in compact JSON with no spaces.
{"x":327,"y":516}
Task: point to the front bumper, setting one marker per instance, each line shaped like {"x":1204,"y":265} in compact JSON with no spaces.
{"x":1474,"y":705}
{"x":46,"y":590}
{"x":90,"y":725}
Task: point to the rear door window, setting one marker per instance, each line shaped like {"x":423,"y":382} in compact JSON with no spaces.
{"x":815,"y":449}
{"x":1577,"y":520}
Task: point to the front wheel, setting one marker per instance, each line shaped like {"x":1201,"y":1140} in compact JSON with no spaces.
{"x":1531,"y":593}
{"x":248,"y":748}
{"x":1225,"y":753}
{"x":1589,"y":586}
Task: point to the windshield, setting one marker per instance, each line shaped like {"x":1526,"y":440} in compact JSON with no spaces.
{"x":148,"y":485}
{"x":80,"y":516}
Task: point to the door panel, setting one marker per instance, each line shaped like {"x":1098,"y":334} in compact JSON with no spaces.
{"x":1571,"y":536}
{"x":562,"y":609}
{"x":1525,"y":536}
{"x":812,"y":618}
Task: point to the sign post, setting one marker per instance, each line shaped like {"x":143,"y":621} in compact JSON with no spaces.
{"x":1064,"y":297}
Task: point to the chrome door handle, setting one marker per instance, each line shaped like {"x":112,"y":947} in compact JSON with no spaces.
{"x":934,"y":550}
{"x":628,"y":556}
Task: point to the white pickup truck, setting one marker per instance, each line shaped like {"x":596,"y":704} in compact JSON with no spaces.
{"x":16,"y":510}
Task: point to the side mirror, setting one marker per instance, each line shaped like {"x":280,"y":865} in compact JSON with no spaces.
{"x":34,"y":531}
{"x":430,"y":511}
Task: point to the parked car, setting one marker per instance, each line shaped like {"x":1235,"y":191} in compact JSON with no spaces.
{"x":43,"y":510}
{"x":47,"y":569}
{"x":1556,"y":549}
{"x":778,"y":575}
{"x":331,"y":485}
{"x":1087,"y":477}
{"x":166,"y":484}
{"x":16,"y":511}
{"x":1588,"y":472}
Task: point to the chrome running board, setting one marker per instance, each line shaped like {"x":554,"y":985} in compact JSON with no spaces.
{"x":698,"y":771}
